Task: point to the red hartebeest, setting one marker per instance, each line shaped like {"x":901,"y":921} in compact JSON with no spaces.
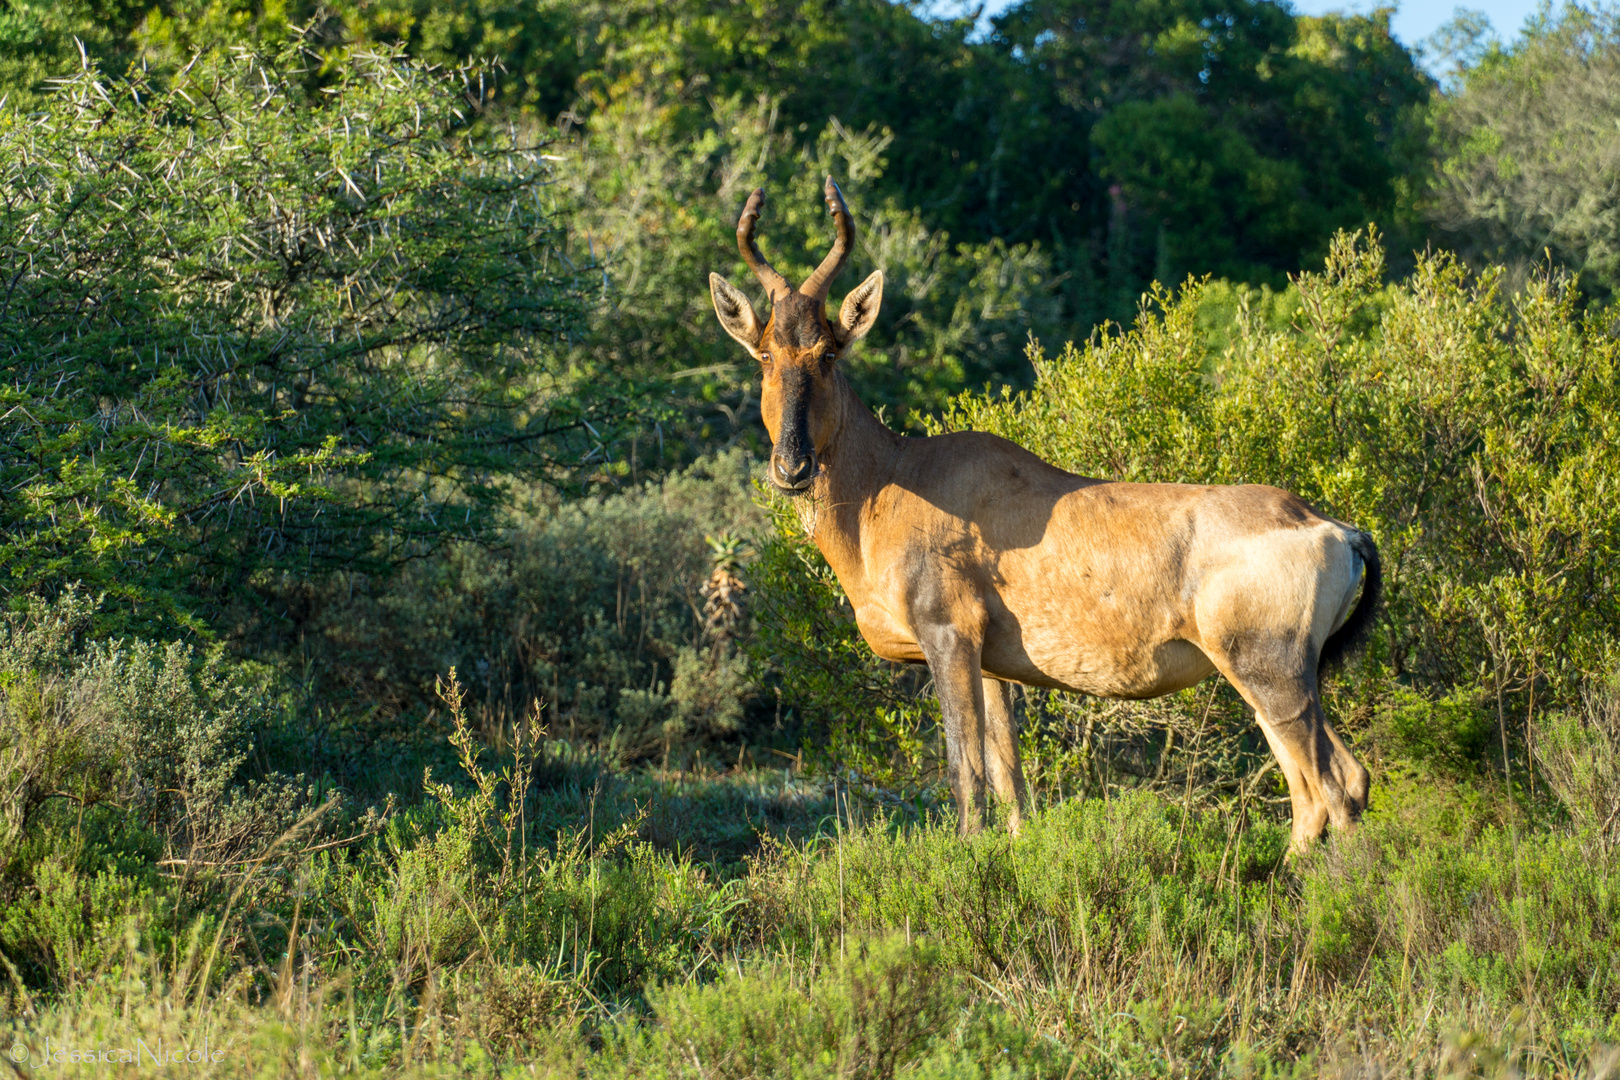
{"x":973,"y":555}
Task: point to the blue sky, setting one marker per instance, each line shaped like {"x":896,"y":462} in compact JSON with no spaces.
{"x":1417,"y":19}
{"x":1414,"y":19}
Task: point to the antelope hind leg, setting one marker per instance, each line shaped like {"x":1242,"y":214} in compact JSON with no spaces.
{"x":1325,"y":781}
{"x":1337,"y":781}
{"x":1310,"y":815}
{"x":1001,"y":763}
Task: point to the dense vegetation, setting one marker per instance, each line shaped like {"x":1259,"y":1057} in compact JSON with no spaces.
{"x":1049,"y":173}
{"x":401,"y":673}
{"x":250,"y":332}
{"x":1528,"y":162}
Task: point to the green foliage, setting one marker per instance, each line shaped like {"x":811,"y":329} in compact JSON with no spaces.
{"x":889,"y":1008}
{"x":1070,"y":168}
{"x":155,"y":730}
{"x":1472,"y":433}
{"x":258,"y":330}
{"x":1450,"y":733}
{"x":1526,"y":149}
{"x":1113,"y":937}
{"x":1036,"y":180}
{"x":120,"y":760}
{"x":1130,"y":140}
{"x":299,"y":331}
{"x":658,"y":192}
{"x":913,"y":953}
{"x":593,"y":607}
{"x":41,"y":40}
{"x":468,"y":876}
{"x":1223,"y":138}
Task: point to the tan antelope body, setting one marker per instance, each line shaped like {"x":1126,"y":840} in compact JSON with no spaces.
{"x":968,"y":553}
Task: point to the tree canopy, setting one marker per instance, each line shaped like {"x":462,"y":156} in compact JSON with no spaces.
{"x":250,"y":326}
{"x":1131,"y":140}
{"x":1529,"y":149}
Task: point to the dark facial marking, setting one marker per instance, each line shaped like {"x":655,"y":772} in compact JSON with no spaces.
{"x":793,"y":440}
{"x":800,"y":322}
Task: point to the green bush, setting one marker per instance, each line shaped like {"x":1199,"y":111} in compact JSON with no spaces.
{"x":593,"y":607}
{"x":158,"y":732}
{"x":263,"y":329}
{"x":122,"y":763}
{"x":1472,"y":432}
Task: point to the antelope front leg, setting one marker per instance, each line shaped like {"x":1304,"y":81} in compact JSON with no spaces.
{"x":953,"y":658}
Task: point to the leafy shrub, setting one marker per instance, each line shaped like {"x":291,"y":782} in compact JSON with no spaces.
{"x":975,"y":900}
{"x":158,"y":732}
{"x":66,"y":924}
{"x":1446,"y":733}
{"x":593,"y":607}
{"x":261,"y":328}
{"x":120,"y":762}
{"x":1579,"y":754}
{"x":1474,"y":434}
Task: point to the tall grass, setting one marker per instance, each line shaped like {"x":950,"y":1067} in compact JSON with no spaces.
{"x":1123,"y":936}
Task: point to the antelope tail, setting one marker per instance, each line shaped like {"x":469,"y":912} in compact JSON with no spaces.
{"x":1343,"y":640}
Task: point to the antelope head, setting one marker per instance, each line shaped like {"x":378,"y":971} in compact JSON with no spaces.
{"x":798,"y":346}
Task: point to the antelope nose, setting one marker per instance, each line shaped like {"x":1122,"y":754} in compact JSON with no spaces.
{"x":795,"y":472}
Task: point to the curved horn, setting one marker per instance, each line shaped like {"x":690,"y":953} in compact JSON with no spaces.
{"x":776,"y":286}
{"x":816,"y":284}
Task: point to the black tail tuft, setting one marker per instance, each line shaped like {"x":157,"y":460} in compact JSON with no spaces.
{"x":1340,"y":643}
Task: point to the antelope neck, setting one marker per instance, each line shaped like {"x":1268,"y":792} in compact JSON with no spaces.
{"x":856,"y":464}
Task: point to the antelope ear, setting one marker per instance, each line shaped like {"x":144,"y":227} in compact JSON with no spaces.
{"x":736,"y":313}
{"x":860,"y":309}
